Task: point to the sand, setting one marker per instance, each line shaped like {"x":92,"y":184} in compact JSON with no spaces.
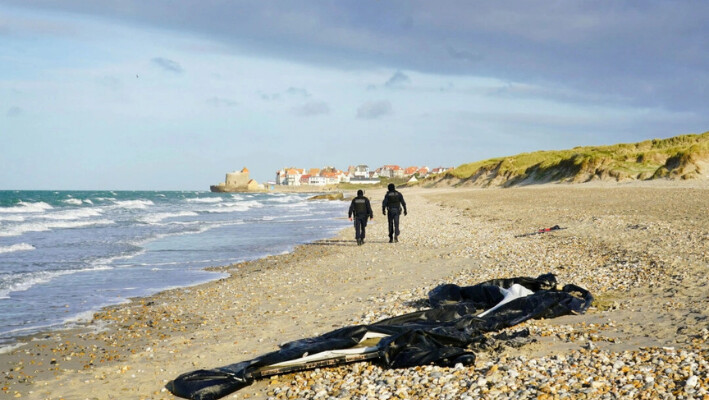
{"x":642,"y":249}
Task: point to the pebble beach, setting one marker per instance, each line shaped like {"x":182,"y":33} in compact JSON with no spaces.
{"x":641,"y":248}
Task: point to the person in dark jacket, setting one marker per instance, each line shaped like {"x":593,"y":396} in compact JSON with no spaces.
{"x":393,"y":202}
{"x":361,"y":209}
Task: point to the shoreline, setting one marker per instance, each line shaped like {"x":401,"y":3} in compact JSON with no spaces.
{"x":74,"y":310}
{"x":333,"y":283}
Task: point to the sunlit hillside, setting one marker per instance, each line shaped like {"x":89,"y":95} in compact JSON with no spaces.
{"x":680,"y":157}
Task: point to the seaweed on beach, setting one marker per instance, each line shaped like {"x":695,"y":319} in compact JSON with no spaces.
{"x":444,"y":335}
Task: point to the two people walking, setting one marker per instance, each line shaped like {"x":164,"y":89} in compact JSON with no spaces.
{"x":391,"y":207}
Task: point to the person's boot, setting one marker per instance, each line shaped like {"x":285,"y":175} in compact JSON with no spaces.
{"x":359,"y":242}
{"x":396,"y":239}
{"x":391,"y":240}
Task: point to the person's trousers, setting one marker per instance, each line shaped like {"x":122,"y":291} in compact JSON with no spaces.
{"x":360,"y":224}
{"x":393,"y":217}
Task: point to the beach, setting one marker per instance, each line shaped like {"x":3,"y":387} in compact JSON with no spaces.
{"x":642,"y":249}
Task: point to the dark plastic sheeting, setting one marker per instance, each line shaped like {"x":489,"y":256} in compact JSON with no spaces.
{"x":442,"y":335}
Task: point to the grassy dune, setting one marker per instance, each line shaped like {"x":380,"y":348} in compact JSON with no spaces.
{"x":680,"y":157}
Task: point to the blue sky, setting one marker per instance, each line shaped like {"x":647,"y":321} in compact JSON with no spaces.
{"x":172,"y":94}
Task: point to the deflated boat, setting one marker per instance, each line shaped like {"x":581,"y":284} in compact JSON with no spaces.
{"x":443,"y":335}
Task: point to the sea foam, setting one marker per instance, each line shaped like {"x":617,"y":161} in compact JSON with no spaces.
{"x":24,"y":281}
{"x":206,"y":200}
{"x":16,"y":247}
{"x":157,"y":217}
{"x":23,"y":207}
{"x":134,"y":203}
{"x":69,"y":215}
{"x":44,"y":226}
{"x":234,"y":206}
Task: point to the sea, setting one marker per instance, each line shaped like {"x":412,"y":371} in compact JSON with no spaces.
{"x":66,"y":254}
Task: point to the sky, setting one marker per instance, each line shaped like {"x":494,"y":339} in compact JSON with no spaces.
{"x":173,"y":94}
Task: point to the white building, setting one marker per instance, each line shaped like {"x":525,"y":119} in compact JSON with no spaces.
{"x":317,"y":180}
{"x":361,"y":171}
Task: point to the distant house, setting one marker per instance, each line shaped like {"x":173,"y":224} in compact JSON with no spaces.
{"x":317,"y":180}
{"x":364,"y":181}
{"x":391,"y":171}
{"x":410,"y":171}
{"x":361,"y":171}
{"x":423,"y":172}
{"x":305,"y":179}
{"x":343,"y":176}
{"x":293,"y":176}
{"x":281,"y":178}
{"x":439,"y":170}
{"x":331,"y":178}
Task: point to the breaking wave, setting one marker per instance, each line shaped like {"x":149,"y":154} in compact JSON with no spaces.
{"x":23,"y":207}
{"x":24,"y":281}
{"x":206,"y":200}
{"x":235,"y":206}
{"x":51,"y":225}
{"x":16,"y":247}
{"x":69,"y":215}
{"x":134,"y":203}
{"x":157,"y":217}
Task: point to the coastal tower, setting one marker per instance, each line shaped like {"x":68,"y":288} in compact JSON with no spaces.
{"x":237,"y":181}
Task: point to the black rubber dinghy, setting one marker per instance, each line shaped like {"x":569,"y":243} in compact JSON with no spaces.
{"x":443,"y":335}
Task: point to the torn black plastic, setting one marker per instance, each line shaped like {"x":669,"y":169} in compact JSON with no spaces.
{"x":443,"y":335}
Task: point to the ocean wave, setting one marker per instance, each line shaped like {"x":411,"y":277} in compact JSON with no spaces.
{"x":68,"y":215}
{"x":110,"y":262}
{"x":206,"y":200}
{"x":23,"y":207}
{"x":4,"y":349}
{"x":157,"y":217}
{"x":74,"y":202}
{"x":133,"y":203}
{"x":286,"y":199}
{"x":77,"y":202}
{"x":24,"y":281}
{"x":16,"y":247}
{"x":18,"y":230}
{"x":12,"y":218}
{"x":235,"y":206}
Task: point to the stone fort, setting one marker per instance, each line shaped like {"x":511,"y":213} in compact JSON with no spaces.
{"x":237,"y":181}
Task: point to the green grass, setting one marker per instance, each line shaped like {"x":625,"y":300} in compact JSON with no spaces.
{"x":631,"y":160}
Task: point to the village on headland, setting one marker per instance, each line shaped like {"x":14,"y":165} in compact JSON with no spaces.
{"x":316,"y":179}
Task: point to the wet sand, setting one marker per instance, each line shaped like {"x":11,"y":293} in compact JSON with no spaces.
{"x":642,"y":249}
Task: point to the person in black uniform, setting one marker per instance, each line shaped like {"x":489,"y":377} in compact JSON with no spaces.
{"x":393,"y":202}
{"x":361,"y":209}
